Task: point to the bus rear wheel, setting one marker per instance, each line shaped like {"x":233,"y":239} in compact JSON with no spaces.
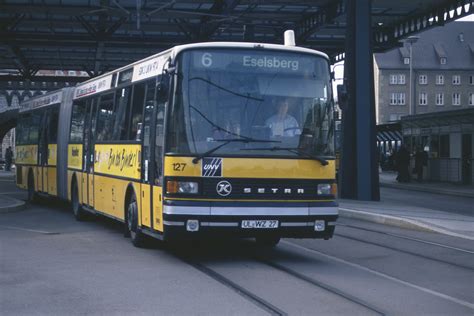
{"x":79,"y":213}
{"x":137,"y":237}
{"x":267,"y":241}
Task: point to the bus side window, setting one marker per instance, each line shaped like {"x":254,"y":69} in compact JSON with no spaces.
{"x":122,"y":113}
{"x":105,"y":117}
{"x":77,"y":121}
{"x":53,"y":125}
{"x":136,"y":114}
{"x":159,"y":140}
{"x":33,"y":135}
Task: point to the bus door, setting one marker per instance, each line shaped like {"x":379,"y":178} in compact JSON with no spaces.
{"x":148,"y":167}
{"x":43,"y":154}
{"x":158,"y":158}
{"x":88,"y":153}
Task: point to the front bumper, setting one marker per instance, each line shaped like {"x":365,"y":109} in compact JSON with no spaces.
{"x":225,"y":219}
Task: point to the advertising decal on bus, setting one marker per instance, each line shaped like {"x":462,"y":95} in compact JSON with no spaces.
{"x":119,"y":160}
{"x":74,"y":159}
{"x":26,"y":154}
{"x":93,"y":87}
{"x":42,"y":101}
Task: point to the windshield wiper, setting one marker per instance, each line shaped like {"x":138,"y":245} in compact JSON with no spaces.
{"x":228,"y":141}
{"x":323,"y":161}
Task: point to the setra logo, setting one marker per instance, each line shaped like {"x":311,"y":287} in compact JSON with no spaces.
{"x":211,"y":167}
{"x":223,"y":188}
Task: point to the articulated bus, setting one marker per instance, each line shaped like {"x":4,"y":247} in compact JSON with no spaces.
{"x":207,"y":139}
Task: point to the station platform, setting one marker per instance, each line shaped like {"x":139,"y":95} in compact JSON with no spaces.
{"x":402,"y":214}
{"x":389,"y":180}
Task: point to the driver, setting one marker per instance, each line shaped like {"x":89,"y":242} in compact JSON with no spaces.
{"x":282,"y":123}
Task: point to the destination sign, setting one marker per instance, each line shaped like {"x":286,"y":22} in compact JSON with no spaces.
{"x":150,"y":68}
{"x":93,"y":87}
{"x":44,"y":100}
{"x":256,"y":61}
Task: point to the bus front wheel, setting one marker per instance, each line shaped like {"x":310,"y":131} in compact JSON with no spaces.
{"x":77,"y":210}
{"x":137,"y":237}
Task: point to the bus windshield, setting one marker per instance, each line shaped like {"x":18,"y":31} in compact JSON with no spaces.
{"x":242,"y":102}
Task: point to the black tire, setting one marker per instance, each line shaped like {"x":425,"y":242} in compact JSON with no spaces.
{"x":137,"y":237}
{"x":77,"y":210}
{"x":267,"y":241}
{"x":32,"y":196}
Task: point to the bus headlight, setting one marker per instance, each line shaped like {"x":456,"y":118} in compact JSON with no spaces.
{"x":324,"y":189}
{"x":182,"y":187}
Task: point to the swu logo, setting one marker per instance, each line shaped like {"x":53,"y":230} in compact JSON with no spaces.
{"x":211,"y":167}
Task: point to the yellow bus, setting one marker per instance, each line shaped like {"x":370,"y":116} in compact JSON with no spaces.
{"x":206,"y":139}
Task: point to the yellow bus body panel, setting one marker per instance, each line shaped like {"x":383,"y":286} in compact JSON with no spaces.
{"x":145,"y":205}
{"x":109,"y":195}
{"x":52,"y":181}
{"x":255,"y":168}
{"x":118,"y":160}
{"x":52,"y":154}
{"x":74,"y":157}
{"x":158,"y":208}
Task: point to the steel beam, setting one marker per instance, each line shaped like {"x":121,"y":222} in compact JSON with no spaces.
{"x":359,"y":170}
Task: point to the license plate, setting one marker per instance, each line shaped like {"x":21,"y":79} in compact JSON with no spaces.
{"x":260,"y":224}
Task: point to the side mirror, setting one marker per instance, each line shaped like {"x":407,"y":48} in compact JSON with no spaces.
{"x":342,"y":93}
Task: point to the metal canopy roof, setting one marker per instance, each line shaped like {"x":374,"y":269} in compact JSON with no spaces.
{"x":100,"y":35}
{"x":444,"y":118}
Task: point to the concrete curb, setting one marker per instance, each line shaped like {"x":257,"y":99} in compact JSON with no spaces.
{"x":12,"y":205}
{"x":429,"y":190}
{"x":398,"y":222}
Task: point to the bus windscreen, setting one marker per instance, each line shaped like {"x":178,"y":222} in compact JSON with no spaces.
{"x":277,"y":99}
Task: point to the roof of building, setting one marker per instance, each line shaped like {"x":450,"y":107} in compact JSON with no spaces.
{"x":453,"y":41}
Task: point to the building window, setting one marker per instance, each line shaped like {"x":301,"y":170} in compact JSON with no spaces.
{"x":439,"y":99}
{"x":397,"y":98}
{"x":456,"y":79}
{"x":397,"y":79}
{"x":423,"y":100}
{"x":471,"y":79}
{"x":393,"y":98}
{"x":423,"y":79}
{"x":471,"y":98}
{"x":456,"y":99}
{"x":439,"y":79}
{"x":401,"y":98}
{"x":443,"y":60}
{"x":401,"y":79}
{"x":406,"y":60}
{"x":393,"y":79}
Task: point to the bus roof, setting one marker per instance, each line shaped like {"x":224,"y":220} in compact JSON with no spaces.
{"x":173,"y":52}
